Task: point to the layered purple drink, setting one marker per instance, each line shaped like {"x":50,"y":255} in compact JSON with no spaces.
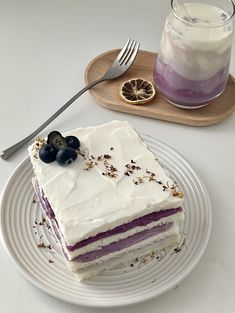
{"x":192,"y":67}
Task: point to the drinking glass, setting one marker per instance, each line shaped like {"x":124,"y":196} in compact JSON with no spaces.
{"x":192,"y":66}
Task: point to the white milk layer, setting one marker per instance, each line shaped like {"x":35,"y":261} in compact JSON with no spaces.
{"x":194,"y":51}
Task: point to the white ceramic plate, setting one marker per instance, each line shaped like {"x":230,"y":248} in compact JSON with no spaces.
{"x":116,"y":287}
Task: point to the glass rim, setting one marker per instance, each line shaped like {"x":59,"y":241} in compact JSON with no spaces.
{"x":204,"y":26}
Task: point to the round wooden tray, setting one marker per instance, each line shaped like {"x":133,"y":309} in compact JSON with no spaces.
{"x":107,"y":93}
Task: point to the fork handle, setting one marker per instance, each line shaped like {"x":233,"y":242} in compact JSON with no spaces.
{"x":5,"y":154}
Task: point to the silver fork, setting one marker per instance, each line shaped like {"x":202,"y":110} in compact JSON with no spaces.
{"x":120,"y":65}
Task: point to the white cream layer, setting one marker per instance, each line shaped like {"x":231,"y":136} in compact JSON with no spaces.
{"x":86,"y":202}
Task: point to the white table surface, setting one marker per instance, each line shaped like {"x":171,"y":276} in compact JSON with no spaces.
{"x":44,"y":49}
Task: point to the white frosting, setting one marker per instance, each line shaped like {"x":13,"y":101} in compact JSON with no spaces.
{"x":87,"y":202}
{"x":197,"y":53}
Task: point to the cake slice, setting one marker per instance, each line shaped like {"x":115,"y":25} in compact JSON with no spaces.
{"x":113,"y":204}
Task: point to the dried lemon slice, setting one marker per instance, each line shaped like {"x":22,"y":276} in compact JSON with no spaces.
{"x":137,"y":91}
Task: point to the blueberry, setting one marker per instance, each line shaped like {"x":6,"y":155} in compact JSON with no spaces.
{"x":56,"y":140}
{"x":66,"y":156}
{"x":47,"y":153}
{"x":73,"y":142}
{"x":51,"y":135}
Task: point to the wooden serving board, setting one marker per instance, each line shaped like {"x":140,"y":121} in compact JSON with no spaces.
{"x":107,"y":93}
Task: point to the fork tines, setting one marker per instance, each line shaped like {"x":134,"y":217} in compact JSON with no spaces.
{"x":128,"y":52}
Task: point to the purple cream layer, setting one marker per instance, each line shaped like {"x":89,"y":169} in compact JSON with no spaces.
{"x":141,"y":221}
{"x":43,"y":201}
{"x":186,"y":92}
{"x":122,"y":244}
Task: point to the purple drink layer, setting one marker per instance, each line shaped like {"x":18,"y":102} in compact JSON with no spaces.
{"x":186,"y":92}
{"x":123,"y":244}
